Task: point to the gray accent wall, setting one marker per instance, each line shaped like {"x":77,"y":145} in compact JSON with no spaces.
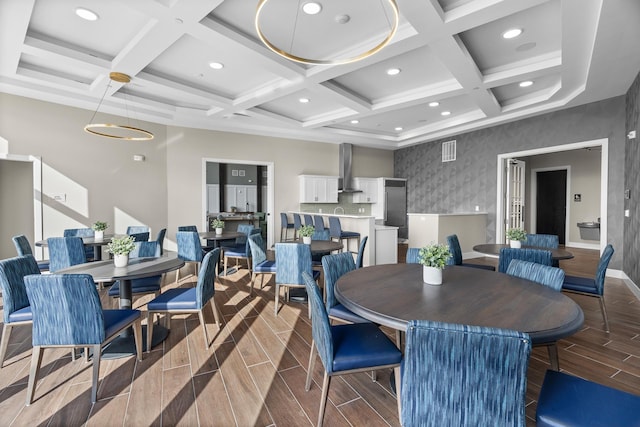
{"x":632,"y":182}
{"x":459,"y":186}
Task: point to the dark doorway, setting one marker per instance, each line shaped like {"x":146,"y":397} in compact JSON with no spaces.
{"x":551,"y":203}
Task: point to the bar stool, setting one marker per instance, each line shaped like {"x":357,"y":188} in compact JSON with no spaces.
{"x":285,"y":226}
{"x":336,"y":232}
{"x":297,"y":223}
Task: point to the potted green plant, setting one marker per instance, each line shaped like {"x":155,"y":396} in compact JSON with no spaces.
{"x":218,"y":225}
{"x":433,"y":258}
{"x":98,"y":229}
{"x":121,"y":247}
{"x":516,"y":236}
{"x":306,"y":231}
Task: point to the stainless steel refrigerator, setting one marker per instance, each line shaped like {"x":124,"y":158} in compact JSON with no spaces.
{"x":395,"y":205}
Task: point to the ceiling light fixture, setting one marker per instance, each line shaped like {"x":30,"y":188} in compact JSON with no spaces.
{"x":398,"y":128}
{"x":526,"y":83}
{"x":273,"y":26}
{"x":393,"y":71}
{"x":434,"y":104}
{"x":216,"y":65}
{"x":355,"y":122}
{"x":512,"y":33}
{"x":86,"y":14}
{"x":109,"y":130}
{"x":304,"y":100}
{"x":311,"y":8}
{"x":445,"y":113}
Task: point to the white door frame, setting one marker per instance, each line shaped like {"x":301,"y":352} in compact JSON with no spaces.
{"x":604,"y":180}
{"x":270,"y":192}
{"x":534,"y":203}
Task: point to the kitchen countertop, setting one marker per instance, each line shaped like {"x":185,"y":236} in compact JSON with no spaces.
{"x":331,"y":214}
{"x":450,"y":214}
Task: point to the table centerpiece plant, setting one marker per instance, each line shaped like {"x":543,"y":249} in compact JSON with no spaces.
{"x":433,"y":258}
{"x":516,"y":236}
{"x":98,"y":229}
{"x":218,"y":225}
{"x":121,"y":247}
{"x":306,"y":231}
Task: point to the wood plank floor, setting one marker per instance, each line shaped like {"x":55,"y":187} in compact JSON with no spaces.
{"x":254,"y":372}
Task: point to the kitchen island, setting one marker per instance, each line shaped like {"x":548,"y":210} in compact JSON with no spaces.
{"x":426,"y":228}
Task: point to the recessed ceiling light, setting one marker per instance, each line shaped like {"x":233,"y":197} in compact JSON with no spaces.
{"x":445,"y":113}
{"x":434,"y":104}
{"x":303,"y":100}
{"x":87,"y":14}
{"x":398,"y":128}
{"x":216,"y":65}
{"x":526,"y":83}
{"x":355,"y":122}
{"x":311,"y":8}
{"x":393,"y":71}
{"x":512,"y":33}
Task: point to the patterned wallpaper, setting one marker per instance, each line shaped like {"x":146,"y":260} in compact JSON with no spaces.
{"x":632,"y":182}
{"x":470,"y":181}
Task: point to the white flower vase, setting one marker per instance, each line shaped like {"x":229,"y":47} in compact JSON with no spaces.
{"x":120,"y":260}
{"x":219,"y":230}
{"x":516,"y":244}
{"x":431,"y":275}
{"x":98,"y":234}
{"x":306,"y":240}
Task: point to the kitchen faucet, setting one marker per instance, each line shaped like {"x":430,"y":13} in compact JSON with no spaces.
{"x":335,"y":211}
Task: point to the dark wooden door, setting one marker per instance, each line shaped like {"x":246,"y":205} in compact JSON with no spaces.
{"x":551,"y":203}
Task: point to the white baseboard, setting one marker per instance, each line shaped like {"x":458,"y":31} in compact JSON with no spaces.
{"x":619,"y":274}
{"x":582,"y":245}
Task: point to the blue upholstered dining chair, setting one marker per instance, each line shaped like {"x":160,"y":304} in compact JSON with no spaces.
{"x":308,"y":219}
{"x":188,"y":300}
{"x":292,"y":259}
{"x":65,"y":252}
{"x":345,"y":349}
{"x":189,"y":249}
{"x":82,"y":232}
{"x":592,"y":287}
{"x":134,"y":229}
{"x":550,"y":241}
{"x":67,"y":313}
{"x":285,"y":226}
{"x":259,"y":262}
{"x":160,"y":239}
{"x":456,"y":255}
{"x":16,"y":308}
{"x":539,"y":256}
{"x":23,"y":247}
{"x":318,"y":222}
{"x":194,"y":229}
{"x":297,"y":223}
{"x":566,"y":400}
{"x":240,"y":250}
{"x":413,"y":256}
{"x":484,"y":369}
{"x":338,"y":233}
{"x":335,"y":266}
{"x":551,"y":277}
{"x":360,"y":258}
{"x":145,"y":285}
{"x":316,"y":258}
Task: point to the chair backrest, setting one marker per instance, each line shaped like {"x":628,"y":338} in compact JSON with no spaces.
{"x":12,"y":274}
{"x":245,"y":229}
{"x":23,"y":247}
{"x":284,"y":220}
{"x":81,"y":232}
{"x":66,"y":309}
{"x":297,"y":223}
{"x":134,"y":229}
{"x":484,"y":369}
{"x":602,"y":268}
{"x":292,"y":259}
{"x":187,"y":228}
{"x":321,"y":235}
{"x":140,"y":237}
{"x":334,"y":226}
{"x":146,"y":250}
{"x":160,"y":239}
{"x":205,"y":288}
{"x":320,"y":326}
{"x":258,"y":253}
{"x":539,"y":256}
{"x":456,"y":251}
{"x":189,"y":247}
{"x":308,"y":219}
{"x":334,"y":267}
{"x":318,"y":222}
{"x":65,"y":252}
{"x":413,"y":256}
{"x":360,"y":258}
{"x":542,"y":240}
{"x":552,"y":277}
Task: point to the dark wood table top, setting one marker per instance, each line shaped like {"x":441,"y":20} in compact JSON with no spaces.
{"x":321,"y":246}
{"x":87,"y":241}
{"x":393,"y":294}
{"x":494,"y":249}
{"x":106,"y":271}
{"x":226,"y":235}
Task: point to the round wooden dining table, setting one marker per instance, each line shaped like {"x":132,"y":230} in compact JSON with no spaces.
{"x":494,"y":249}
{"x":394,"y":294}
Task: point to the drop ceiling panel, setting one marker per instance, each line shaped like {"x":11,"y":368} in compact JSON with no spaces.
{"x":511,"y":92}
{"x":319,"y":105}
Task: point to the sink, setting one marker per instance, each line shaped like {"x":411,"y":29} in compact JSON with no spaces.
{"x":589,"y":224}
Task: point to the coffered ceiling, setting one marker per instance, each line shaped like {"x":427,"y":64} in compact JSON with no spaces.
{"x":449,"y":52}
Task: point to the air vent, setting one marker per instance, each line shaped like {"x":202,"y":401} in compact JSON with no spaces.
{"x":449,"y":151}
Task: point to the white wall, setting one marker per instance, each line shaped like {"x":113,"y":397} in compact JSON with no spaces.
{"x":16,"y":199}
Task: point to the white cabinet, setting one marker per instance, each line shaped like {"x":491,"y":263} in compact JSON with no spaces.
{"x":213,"y":198}
{"x":318,"y":189}
{"x":369,"y":188}
{"x":243,"y":197}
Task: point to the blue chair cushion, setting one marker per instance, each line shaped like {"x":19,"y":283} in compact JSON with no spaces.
{"x":138,"y":286}
{"x":362,"y":345}
{"x":238,"y":250}
{"x":340,"y":311}
{"x":483,"y":267}
{"x":114,"y":320}
{"x":580,"y":284}
{"x":265,"y":267}
{"x":43,"y":265}
{"x":566,"y":400}
{"x":174,"y":299}
{"x":22,"y":315}
{"x":346,"y":234}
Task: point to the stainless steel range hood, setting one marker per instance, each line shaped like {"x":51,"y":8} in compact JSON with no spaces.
{"x":345,"y":184}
